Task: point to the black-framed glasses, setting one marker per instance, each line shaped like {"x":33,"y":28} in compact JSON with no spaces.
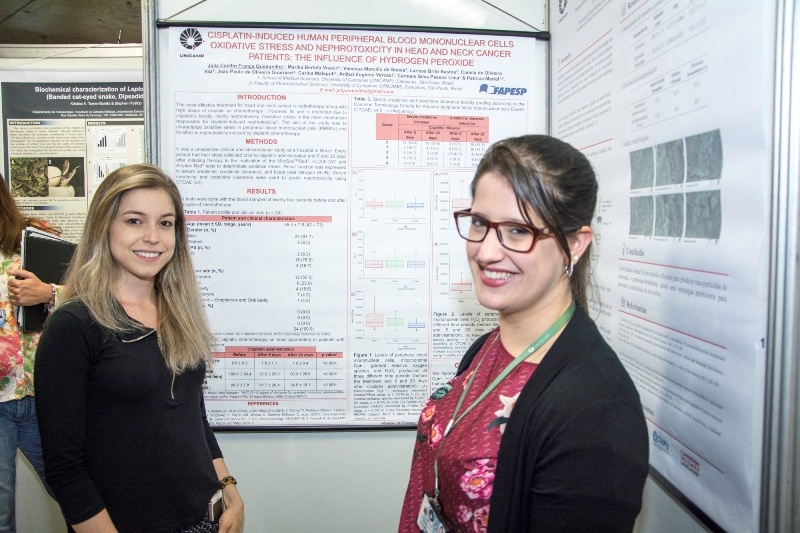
{"x":512,"y":235}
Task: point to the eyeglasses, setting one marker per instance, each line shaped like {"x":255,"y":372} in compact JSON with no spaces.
{"x":513,"y":236}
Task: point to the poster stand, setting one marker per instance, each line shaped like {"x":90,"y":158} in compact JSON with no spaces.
{"x":780,"y":437}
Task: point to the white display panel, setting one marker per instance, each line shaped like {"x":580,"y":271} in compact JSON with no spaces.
{"x":674,"y":111}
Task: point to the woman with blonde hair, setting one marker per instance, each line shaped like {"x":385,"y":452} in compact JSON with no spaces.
{"x":127,"y":445}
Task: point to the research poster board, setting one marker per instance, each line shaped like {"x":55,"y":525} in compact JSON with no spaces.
{"x":672,"y":102}
{"x":63,"y":132}
{"x":320,"y":169}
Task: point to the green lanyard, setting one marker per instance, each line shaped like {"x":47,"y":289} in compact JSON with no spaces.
{"x":535,"y":345}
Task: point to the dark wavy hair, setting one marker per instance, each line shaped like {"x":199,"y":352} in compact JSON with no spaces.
{"x":12,"y":222}
{"x":553,"y":180}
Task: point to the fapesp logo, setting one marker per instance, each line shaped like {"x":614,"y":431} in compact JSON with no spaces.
{"x":690,"y":463}
{"x":493,"y":89}
{"x":190,"y":38}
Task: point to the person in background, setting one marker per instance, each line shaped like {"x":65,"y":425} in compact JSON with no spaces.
{"x":121,"y":364}
{"x":18,"y":287}
{"x":542,"y":428}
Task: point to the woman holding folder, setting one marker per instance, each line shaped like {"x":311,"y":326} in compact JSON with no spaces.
{"x":18,"y":426}
{"x":126,"y":442}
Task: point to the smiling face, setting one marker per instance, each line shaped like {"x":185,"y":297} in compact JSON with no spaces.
{"x":142,"y":235}
{"x":513,"y":283}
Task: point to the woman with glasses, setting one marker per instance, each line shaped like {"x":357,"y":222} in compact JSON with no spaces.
{"x":120,"y":370}
{"x":541,"y":429}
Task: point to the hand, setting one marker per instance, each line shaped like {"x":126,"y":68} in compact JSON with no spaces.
{"x":232,"y":517}
{"x":29,"y":290}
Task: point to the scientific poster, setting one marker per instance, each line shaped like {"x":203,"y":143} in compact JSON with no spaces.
{"x":61,"y":138}
{"x":320,"y":170}
{"x":673,"y":107}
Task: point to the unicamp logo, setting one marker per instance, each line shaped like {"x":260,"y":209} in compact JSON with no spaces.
{"x":493,"y":89}
{"x":191,"y":38}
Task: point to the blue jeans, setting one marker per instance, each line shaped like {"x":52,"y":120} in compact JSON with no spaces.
{"x":18,"y":429}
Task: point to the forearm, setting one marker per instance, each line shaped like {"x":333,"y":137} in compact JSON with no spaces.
{"x":230,"y":492}
{"x":233,"y":516}
{"x":99,"y":523}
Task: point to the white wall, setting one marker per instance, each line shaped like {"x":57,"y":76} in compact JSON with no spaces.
{"x":294,"y":482}
{"x":337,"y":482}
{"x":472,"y":14}
{"x":35,"y":511}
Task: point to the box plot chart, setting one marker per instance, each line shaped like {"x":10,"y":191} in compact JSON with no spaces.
{"x":392,"y":323}
{"x":392,"y":194}
{"x":391,"y":278}
{"x":453,"y":279}
{"x":390,"y":253}
{"x":393,"y":258}
{"x":390,"y":237}
{"x":398,"y":322}
{"x":462,"y":285}
{"x":460,"y":197}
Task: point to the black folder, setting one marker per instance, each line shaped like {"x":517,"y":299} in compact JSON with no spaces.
{"x":48,"y":257}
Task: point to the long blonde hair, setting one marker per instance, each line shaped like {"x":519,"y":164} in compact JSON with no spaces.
{"x":183,"y":332}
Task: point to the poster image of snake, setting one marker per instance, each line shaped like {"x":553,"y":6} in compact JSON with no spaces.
{"x":32,"y":177}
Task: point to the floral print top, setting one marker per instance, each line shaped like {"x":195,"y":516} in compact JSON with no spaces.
{"x":468,"y":455}
{"x":17,"y":348}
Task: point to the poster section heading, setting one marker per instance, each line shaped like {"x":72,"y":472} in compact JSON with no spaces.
{"x":73,"y":100}
{"x":349,"y":48}
{"x":393,"y":59}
